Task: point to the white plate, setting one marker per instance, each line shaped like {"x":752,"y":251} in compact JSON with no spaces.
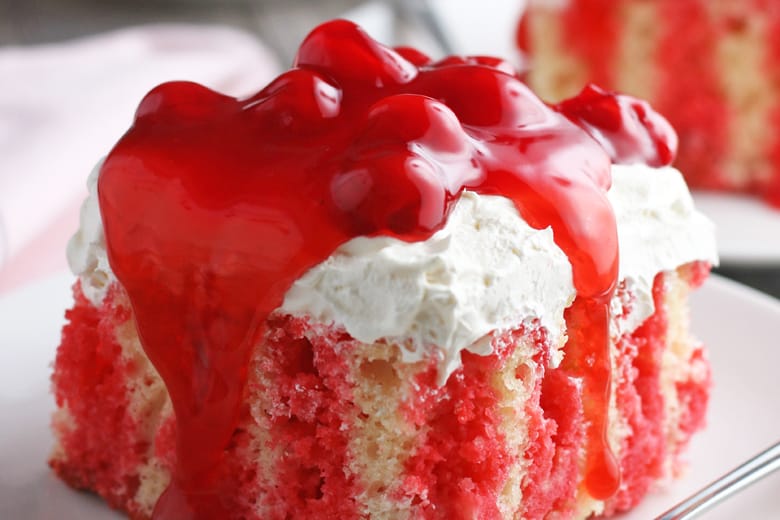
{"x":748,"y":229}
{"x":739,"y":325}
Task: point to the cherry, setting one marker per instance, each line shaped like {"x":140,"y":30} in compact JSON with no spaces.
{"x":180,"y":101}
{"x":345,"y":51}
{"x":297,"y":101}
{"x":626,"y":127}
{"x":487,"y":61}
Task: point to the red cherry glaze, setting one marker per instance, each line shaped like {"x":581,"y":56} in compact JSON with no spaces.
{"x":214,"y":206}
{"x":626,"y":127}
{"x":413,"y":55}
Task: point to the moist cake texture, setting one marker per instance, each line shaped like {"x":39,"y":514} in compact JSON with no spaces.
{"x":382,"y":287}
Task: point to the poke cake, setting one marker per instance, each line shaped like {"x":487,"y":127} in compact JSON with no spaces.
{"x":710,"y":66}
{"x":382,"y":287}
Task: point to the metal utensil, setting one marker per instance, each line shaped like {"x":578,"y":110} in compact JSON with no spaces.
{"x":748,"y":473}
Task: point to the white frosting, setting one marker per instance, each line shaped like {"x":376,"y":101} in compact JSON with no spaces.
{"x":658,"y":230}
{"x":87,"y":249}
{"x":486,"y":270}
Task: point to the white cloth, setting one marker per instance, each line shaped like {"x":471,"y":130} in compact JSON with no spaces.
{"x":62,"y":107}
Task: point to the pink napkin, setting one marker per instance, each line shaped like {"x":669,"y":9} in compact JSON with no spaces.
{"x":63,"y":106}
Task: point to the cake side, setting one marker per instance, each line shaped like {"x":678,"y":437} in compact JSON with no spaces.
{"x":113,"y":421}
{"x":336,"y":427}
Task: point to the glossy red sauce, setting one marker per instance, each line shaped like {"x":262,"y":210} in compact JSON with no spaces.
{"x":214,"y":206}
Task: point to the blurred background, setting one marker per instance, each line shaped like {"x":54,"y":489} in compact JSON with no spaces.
{"x":280,"y":24}
{"x":72,"y":72}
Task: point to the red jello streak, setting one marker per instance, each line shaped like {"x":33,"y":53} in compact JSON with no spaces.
{"x":462,"y":463}
{"x":640,"y":400}
{"x":591,"y":29}
{"x":214,"y":206}
{"x":690,"y":91}
{"x":771,"y":11}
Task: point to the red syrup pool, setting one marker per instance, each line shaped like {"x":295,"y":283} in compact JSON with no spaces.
{"x":214,"y":206}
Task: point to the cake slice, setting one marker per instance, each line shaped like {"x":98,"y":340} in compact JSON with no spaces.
{"x":709,"y":65}
{"x":383,"y":287}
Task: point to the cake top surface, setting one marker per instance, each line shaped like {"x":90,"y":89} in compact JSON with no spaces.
{"x":358,"y":139}
{"x":214,"y":206}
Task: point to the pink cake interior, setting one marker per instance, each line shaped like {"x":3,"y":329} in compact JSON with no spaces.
{"x":458,"y":460}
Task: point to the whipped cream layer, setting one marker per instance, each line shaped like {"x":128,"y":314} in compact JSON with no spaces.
{"x":486,"y":270}
{"x":86,"y":249}
{"x":659,"y":229}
